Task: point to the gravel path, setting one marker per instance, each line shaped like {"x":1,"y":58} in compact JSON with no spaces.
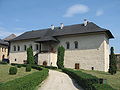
{"x":58,"y":81}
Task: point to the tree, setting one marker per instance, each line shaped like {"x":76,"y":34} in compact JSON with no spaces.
{"x":113,"y":62}
{"x":60,"y":57}
{"x":30,"y":57}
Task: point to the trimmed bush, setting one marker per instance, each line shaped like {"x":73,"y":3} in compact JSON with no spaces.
{"x":12,"y":70}
{"x":28,"y":68}
{"x":60,"y":57}
{"x":86,"y":81}
{"x":36,"y":67}
{"x":19,"y":66}
{"x":113,"y":62}
{"x":30,"y":57}
{"x":28,"y":82}
{"x":2,"y":62}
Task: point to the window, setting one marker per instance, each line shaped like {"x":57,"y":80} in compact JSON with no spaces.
{"x":25,"y":47}
{"x":14,"y":48}
{"x":67,"y":45}
{"x":15,"y":59}
{"x":36,"y":46}
{"x":18,"y":48}
{"x":2,"y":49}
{"x":76,"y":44}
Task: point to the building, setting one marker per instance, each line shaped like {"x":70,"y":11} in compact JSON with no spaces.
{"x":3,"y":50}
{"x":86,"y":46}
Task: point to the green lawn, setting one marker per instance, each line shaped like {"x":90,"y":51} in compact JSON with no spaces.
{"x":4,"y":73}
{"x":112,"y":80}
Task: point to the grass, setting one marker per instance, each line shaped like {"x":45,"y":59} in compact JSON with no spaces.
{"x":4,"y":73}
{"x":112,"y":80}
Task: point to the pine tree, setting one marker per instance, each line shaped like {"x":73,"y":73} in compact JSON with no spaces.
{"x":60,"y":57}
{"x":30,"y":57}
{"x":113,"y":62}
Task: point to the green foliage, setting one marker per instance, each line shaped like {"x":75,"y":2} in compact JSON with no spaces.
{"x":1,"y":62}
{"x":60,"y":57}
{"x":86,"y":81}
{"x":49,"y":67}
{"x":12,"y":70}
{"x":28,"y":82}
{"x":102,"y":87}
{"x":19,"y":66}
{"x":30,"y":57}
{"x":113,"y":62}
{"x":28,"y":68}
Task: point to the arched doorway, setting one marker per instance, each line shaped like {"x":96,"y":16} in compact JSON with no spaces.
{"x":3,"y":57}
{"x":44,"y":63}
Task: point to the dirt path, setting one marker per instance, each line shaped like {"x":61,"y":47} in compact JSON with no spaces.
{"x":59,"y":81}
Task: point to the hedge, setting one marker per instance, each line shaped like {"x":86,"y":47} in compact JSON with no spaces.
{"x":102,"y":87}
{"x":28,"y":82}
{"x":12,"y":70}
{"x":1,"y":62}
{"x":49,"y":67}
{"x":37,"y":67}
{"x":86,"y":81}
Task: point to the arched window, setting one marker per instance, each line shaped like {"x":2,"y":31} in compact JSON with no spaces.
{"x":14,"y":48}
{"x":18,"y":48}
{"x":76,"y":44}
{"x":67,"y":45}
{"x":25,"y":47}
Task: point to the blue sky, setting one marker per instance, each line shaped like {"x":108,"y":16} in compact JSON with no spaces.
{"x":18,"y":16}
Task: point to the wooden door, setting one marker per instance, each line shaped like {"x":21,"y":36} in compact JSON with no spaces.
{"x":77,"y":66}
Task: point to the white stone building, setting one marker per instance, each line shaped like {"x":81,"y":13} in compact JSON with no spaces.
{"x":86,"y":46}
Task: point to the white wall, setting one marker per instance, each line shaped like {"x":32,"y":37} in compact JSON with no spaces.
{"x":93,"y":51}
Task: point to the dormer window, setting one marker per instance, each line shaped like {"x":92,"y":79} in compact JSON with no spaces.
{"x":76,"y":44}
{"x":67,"y":45}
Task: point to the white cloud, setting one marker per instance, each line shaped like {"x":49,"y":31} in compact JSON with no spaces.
{"x":99,"y":12}
{"x":76,"y":9}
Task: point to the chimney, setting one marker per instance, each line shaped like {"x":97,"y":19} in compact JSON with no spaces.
{"x":85,"y":22}
{"x":52,"y":27}
{"x":61,"y":25}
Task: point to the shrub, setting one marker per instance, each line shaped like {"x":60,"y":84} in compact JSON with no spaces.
{"x":19,"y":65}
{"x":2,"y":62}
{"x":12,"y":70}
{"x":113,"y":62}
{"x":86,"y":81}
{"x":30,"y":57}
{"x":28,"y":68}
{"x":28,"y":82}
{"x":60,"y":57}
{"x":51,"y":67}
{"x":36,"y":67}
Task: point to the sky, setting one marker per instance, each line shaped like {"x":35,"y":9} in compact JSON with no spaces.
{"x":18,"y":16}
